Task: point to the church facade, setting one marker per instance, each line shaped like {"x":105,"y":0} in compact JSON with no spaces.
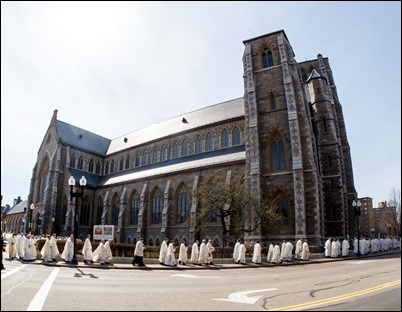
{"x":286,"y":136}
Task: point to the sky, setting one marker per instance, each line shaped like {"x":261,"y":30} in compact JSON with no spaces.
{"x":115,"y":67}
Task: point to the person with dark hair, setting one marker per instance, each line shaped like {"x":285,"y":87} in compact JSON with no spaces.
{"x":139,"y":253}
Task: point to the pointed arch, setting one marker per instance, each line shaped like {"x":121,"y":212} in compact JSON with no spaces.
{"x":80,"y":163}
{"x":72,"y":160}
{"x":137,"y":159}
{"x":267,"y":59}
{"x":198,"y":144}
{"x":277,"y":151}
{"x":185,"y":151}
{"x":145,"y":158}
{"x":121,"y":163}
{"x":91,"y":166}
{"x":182,"y":203}
{"x":127,"y":165}
{"x":134,"y":208}
{"x":115,"y":209}
{"x":97,"y":167}
{"x":236,"y":136}
{"x":164,"y":152}
{"x":157,"y":206}
{"x":155,"y":155}
{"x":224,"y":138}
{"x":176,"y":150}
{"x":209,"y":142}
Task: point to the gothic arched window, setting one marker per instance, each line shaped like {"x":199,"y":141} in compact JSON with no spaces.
{"x":236,"y":136}
{"x":225,"y":138}
{"x":198,"y":144}
{"x":267,"y":60}
{"x":278,"y":154}
{"x":182,"y":205}
{"x":135,"y":209}
{"x":209,"y":143}
{"x":184,"y":148}
{"x":157,"y":206}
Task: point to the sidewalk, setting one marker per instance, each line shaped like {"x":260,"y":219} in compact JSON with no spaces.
{"x":219,"y":264}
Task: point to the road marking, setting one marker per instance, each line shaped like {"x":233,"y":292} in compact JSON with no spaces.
{"x":331,"y":300}
{"x":40,"y":297}
{"x":241,"y":297}
{"x":15,"y":270}
{"x":194,"y":276}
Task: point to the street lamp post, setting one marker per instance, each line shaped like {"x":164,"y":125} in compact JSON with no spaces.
{"x":30,"y":222}
{"x":76,"y":194}
{"x":356,"y":206}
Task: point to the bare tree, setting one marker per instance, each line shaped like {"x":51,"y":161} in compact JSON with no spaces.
{"x":390,"y":221}
{"x":231,"y":201}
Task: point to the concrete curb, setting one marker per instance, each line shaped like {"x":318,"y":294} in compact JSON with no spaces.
{"x":219,"y":264}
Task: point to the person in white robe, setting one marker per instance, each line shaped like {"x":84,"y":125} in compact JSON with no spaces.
{"x":30,"y":252}
{"x":100,"y":254}
{"x":270,"y":253}
{"x":20,"y":245}
{"x":283,"y":249}
{"x":276,"y":254}
{"x":236,"y":250}
{"x":287,"y":254}
{"x":335,"y":248}
{"x":170,"y":256}
{"x":194,"y":252}
{"x":68,"y":250}
{"x":328,"y":247}
{"x":163,"y":251}
{"x":11,"y":248}
{"x":345,"y":247}
{"x":257,"y":253}
{"x":298,"y":249}
{"x":139,"y":253}
{"x":87,"y":250}
{"x":305,"y":251}
{"x":203,"y":255}
{"x":182,"y":253}
{"x":108,"y":252}
{"x":46,"y":251}
{"x":242,"y":253}
{"x":211,"y":250}
{"x":53,"y":247}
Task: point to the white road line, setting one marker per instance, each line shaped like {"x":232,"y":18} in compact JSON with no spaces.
{"x":15,"y":270}
{"x":40,"y":297}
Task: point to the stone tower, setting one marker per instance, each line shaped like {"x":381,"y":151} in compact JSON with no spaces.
{"x":296,"y":150}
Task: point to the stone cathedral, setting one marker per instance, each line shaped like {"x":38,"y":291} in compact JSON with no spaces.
{"x":286,"y":136}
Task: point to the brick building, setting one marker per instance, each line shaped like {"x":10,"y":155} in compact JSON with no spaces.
{"x":286,"y":135}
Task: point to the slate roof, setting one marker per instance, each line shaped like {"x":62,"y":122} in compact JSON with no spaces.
{"x":18,"y":208}
{"x":203,"y":117}
{"x":221,"y":156}
{"x":81,"y":138}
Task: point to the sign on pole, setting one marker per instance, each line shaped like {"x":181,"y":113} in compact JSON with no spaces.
{"x":105,"y":232}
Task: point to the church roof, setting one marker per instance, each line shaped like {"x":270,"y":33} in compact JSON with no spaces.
{"x":314,"y":75}
{"x":81,"y":138}
{"x":194,"y":161}
{"x":179,"y":124}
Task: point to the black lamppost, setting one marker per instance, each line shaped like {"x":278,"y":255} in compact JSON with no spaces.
{"x":76,"y":194}
{"x":356,"y":206}
{"x":31,"y":208}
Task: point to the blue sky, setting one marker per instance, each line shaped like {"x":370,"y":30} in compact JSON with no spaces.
{"x":115,"y":67}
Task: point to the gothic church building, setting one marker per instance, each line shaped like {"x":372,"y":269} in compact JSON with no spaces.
{"x":286,"y":136}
